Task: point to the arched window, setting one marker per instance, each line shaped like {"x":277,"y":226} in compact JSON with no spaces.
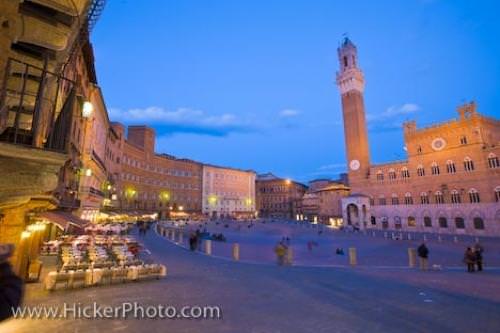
{"x":380,"y":175}
{"x":497,"y":194}
{"x":478,"y":223}
{"x":434,"y":168}
{"x":424,"y":198}
{"x":493,"y":161}
{"x":411,"y":221}
{"x":427,"y":222}
{"x":450,"y":167}
{"x":463,"y":140}
{"x":394,"y":199}
{"x":420,"y":171}
{"x":408,"y":199}
{"x":405,"y":173}
{"x":468,"y":164}
{"x":474,"y":196}
{"x":455,"y":197}
{"x":381,"y":200}
{"x":397,"y":222}
{"x":345,"y":61}
{"x":438,"y":197}
{"x":385,"y":222}
{"x":459,"y":223}
{"x":443,"y":222}
{"x":392,"y":174}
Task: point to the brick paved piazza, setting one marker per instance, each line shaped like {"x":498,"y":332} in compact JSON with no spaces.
{"x":265,"y":298}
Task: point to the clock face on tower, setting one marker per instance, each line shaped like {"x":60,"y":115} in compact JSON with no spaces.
{"x":354,"y":165}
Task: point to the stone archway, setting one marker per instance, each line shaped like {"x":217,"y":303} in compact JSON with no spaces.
{"x":352,"y":214}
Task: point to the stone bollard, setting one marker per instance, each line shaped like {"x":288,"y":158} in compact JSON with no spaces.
{"x":289,"y":256}
{"x":353,"y":260}
{"x":385,"y":234}
{"x":425,"y":238}
{"x":180,"y":239}
{"x":439,"y":238}
{"x":208,"y":247}
{"x":455,"y":239}
{"x":477,"y":239}
{"x":236,"y":251}
{"x":400,"y":236}
{"x":409,"y":237}
{"x":412,"y":257}
{"x":393,"y":236}
{"x":373,"y":233}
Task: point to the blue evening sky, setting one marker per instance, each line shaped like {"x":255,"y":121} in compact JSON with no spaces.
{"x":250,"y":84}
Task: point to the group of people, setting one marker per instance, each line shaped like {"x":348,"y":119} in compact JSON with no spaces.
{"x":283,"y":251}
{"x":473,"y":257}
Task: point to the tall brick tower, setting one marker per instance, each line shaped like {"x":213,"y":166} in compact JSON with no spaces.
{"x":351,"y":84}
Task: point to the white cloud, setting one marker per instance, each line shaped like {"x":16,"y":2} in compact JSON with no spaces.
{"x":393,"y":112}
{"x":183,"y":120}
{"x":334,"y":166}
{"x":287,"y":113}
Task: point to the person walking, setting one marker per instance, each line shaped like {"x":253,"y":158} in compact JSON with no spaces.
{"x":423,"y":254}
{"x":280,"y":253}
{"x":478,"y":250}
{"x":192,"y":241}
{"x":470,"y":259}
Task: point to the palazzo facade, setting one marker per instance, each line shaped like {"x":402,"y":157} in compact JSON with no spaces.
{"x":448,"y":183}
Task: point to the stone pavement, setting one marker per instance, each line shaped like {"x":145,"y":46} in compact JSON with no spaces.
{"x":270,"y":299}
{"x":257,"y":243}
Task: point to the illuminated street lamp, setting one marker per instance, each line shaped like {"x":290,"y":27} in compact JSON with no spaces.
{"x":288,"y":181}
{"x":212,"y":199}
{"x":165,"y":196}
{"x":88,"y":172}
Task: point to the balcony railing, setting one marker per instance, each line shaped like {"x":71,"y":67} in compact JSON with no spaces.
{"x":36,"y":107}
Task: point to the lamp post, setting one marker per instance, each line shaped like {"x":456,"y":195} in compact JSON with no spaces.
{"x":164,"y":199}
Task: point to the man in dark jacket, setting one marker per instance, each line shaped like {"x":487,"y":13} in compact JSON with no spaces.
{"x":11,"y":286}
{"x":423,"y":254}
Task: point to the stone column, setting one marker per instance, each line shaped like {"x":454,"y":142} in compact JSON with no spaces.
{"x":353,"y":260}
{"x":236,"y":251}
{"x":208,"y":247}
{"x":412,"y":257}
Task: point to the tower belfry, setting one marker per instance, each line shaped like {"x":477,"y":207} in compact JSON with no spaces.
{"x":351,"y":84}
